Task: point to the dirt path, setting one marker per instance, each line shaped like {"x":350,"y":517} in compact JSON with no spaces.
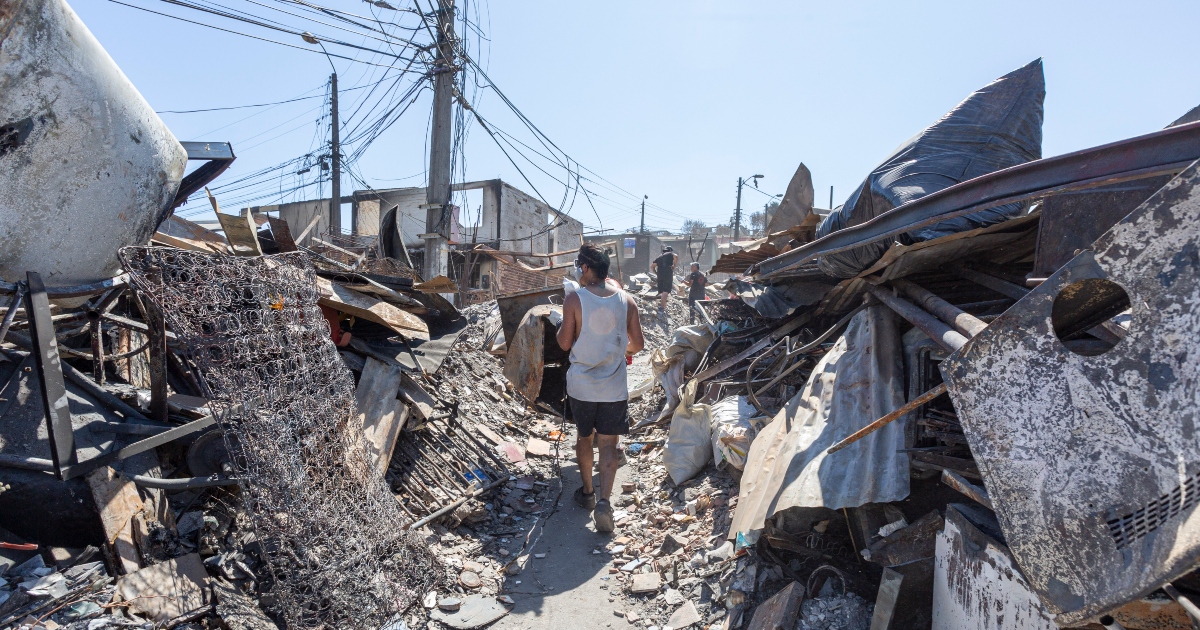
{"x":569,"y":587}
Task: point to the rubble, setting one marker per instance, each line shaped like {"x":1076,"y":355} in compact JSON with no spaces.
{"x":921,"y":414}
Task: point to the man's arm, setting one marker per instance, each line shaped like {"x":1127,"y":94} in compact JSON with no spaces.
{"x":633,"y":327}
{"x":568,"y":331}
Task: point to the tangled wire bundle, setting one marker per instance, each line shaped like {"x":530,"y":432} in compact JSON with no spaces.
{"x":328,"y":526}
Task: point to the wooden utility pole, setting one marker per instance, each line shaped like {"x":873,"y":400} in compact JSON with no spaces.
{"x":737,"y":213}
{"x":335,"y":156}
{"x":437,"y":195}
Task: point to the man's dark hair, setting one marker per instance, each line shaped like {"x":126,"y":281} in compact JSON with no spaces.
{"x":595,"y":258}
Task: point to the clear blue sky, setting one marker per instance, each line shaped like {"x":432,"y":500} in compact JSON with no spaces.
{"x":676,"y":100}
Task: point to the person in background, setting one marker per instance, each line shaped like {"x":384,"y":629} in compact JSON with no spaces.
{"x":664,"y":268}
{"x":601,"y":328}
{"x":695,"y":282}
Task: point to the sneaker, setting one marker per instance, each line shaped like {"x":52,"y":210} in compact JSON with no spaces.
{"x":603,"y":515}
{"x":586,"y":501}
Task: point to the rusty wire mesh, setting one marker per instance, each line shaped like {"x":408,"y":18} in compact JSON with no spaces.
{"x":329,"y":529}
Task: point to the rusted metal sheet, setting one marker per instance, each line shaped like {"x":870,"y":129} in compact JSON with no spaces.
{"x":86,"y":166}
{"x":514,"y":306}
{"x":1091,"y":456}
{"x":525,"y":362}
{"x":977,"y":585}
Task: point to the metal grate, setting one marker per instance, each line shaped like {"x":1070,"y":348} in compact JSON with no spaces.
{"x":1134,"y":526}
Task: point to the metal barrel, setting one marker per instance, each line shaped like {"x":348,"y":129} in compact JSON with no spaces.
{"x":86,"y":166}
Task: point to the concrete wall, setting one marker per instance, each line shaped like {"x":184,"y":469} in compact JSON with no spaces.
{"x":299,"y":214}
{"x":647,"y":247}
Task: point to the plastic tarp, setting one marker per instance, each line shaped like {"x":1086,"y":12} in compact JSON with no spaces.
{"x":994,"y":128}
{"x":779,"y":300}
{"x":859,"y":380}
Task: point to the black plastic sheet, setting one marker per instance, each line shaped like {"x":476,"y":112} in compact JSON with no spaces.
{"x":995,"y":127}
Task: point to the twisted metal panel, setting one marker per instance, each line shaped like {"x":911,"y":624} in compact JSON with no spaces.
{"x":329,"y":528}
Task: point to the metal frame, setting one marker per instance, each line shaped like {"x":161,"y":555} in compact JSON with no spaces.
{"x":65,"y":458}
{"x":219,"y":156}
{"x":1165,"y":152}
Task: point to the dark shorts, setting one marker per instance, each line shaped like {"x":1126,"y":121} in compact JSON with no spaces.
{"x":605,"y":418}
{"x":664,"y":284}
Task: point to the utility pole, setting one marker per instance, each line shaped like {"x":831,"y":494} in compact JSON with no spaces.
{"x":642,"y":229}
{"x":737,"y":213}
{"x":437,"y":195}
{"x":335,"y":204}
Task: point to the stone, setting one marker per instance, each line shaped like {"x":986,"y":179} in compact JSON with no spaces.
{"x":469,"y":579}
{"x":449,"y":603}
{"x":473,"y":567}
{"x":430,"y":599}
{"x":189,"y":523}
{"x":684,"y":617}
{"x":645,"y":583}
{"x":632,"y":617}
{"x":673,"y":597}
{"x":672,"y":543}
{"x":539,"y":448}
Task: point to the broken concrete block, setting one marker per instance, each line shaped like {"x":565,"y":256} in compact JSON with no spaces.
{"x":673,"y":597}
{"x":539,"y":448}
{"x":672,"y":543}
{"x":449,"y":603}
{"x":475,"y":611}
{"x":166,"y":590}
{"x":779,"y":612}
{"x":684,"y":617}
{"x":646,"y":583}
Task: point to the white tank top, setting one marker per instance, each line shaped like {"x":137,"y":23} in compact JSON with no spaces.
{"x":597,"y":372}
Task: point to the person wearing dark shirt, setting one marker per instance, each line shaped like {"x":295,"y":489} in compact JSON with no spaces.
{"x":664,"y":268}
{"x":695,"y":282}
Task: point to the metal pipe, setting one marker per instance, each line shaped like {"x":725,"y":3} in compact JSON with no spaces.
{"x":1187,"y":604}
{"x":962,"y":321}
{"x":875,"y":426}
{"x":13,"y":305}
{"x":1003,"y":287}
{"x":942,"y":334}
{"x":452,"y":506}
{"x":1110,"y":623}
{"x":182,"y":483}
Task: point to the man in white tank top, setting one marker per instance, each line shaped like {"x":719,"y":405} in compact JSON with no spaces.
{"x":600,"y":327}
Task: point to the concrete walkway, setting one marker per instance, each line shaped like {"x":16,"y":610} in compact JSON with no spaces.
{"x":566,"y":589}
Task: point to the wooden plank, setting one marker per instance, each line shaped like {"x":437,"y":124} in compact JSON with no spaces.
{"x":380,"y":414}
{"x":491,"y":435}
{"x":412,"y":392}
{"x":188,"y":244}
{"x":117,"y":501}
{"x":241,"y":232}
{"x":340,"y":298}
{"x":885,"y":599}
